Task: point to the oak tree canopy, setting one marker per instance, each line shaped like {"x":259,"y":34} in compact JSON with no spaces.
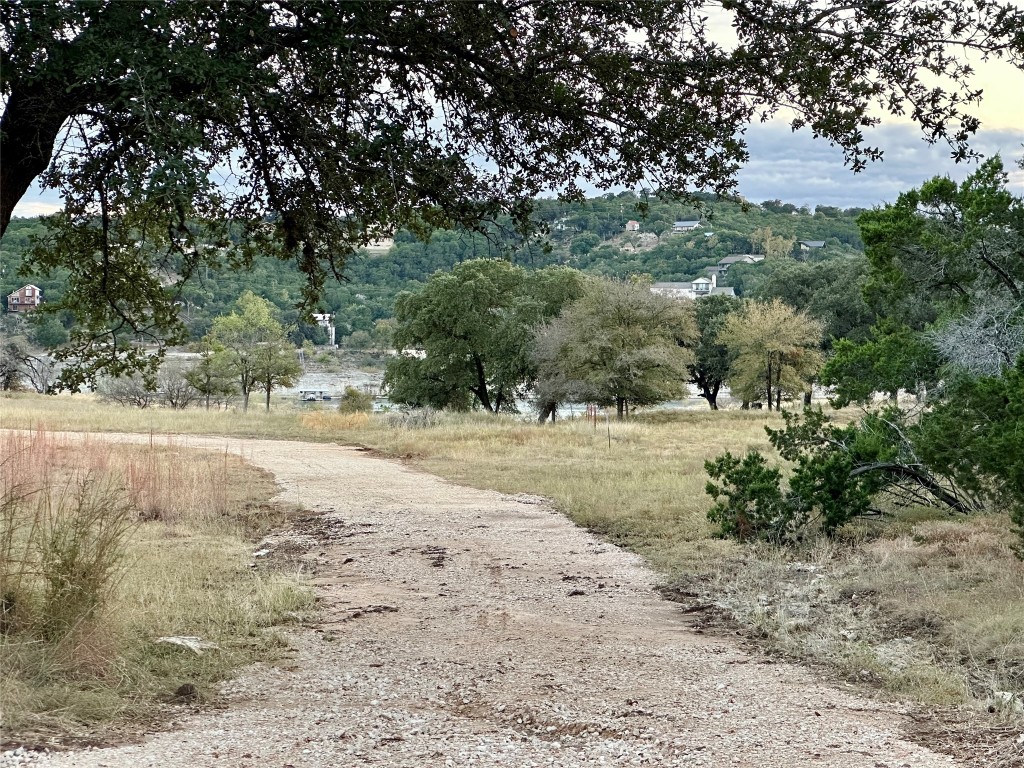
{"x":185,"y":134}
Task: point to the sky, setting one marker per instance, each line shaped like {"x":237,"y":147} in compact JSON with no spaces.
{"x":796,"y":168}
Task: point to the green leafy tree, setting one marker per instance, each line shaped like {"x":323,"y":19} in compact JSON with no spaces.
{"x":712,"y":359}
{"x":619,"y":344}
{"x":831,"y":292}
{"x":345,"y":121}
{"x":775,"y":351}
{"x":584,"y":244}
{"x":894,"y":358}
{"x":976,"y":435}
{"x":951,"y":243}
{"x":47,"y":331}
{"x":355,"y":401}
{"x":749,"y":502}
{"x":212,"y":377}
{"x":836,"y":473}
{"x":947,"y":275}
{"x":253,"y":345}
{"x":471,"y":329}
{"x":275,"y":365}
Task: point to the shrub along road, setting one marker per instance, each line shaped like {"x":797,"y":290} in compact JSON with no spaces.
{"x":462,"y":627}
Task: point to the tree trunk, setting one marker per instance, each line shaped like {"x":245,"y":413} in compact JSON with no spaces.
{"x":268,"y":399}
{"x":481,"y":385}
{"x":712,"y":397}
{"x":745,"y":406}
{"x":807,"y":399}
{"x":547,"y":410}
{"x":768,"y":383}
{"x":620,"y":408}
{"x":28,"y":130}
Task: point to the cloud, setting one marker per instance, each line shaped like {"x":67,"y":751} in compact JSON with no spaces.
{"x":796,"y":168}
{"x":38,"y":202}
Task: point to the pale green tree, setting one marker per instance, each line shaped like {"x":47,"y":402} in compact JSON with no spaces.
{"x":253,"y":345}
{"x":776,"y":351}
{"x":619,"y":344}
{"x":212,"y":376}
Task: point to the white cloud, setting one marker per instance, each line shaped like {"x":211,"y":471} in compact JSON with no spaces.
{"x":38,"y":202}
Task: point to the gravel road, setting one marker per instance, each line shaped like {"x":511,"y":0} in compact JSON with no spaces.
{"x":462,"y":627}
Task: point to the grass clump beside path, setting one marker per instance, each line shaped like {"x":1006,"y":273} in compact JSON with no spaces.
{"x":105,"y":548}
{"x":925,"y":606}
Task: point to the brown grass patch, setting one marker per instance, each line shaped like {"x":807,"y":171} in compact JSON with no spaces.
{"x":106,"y":547}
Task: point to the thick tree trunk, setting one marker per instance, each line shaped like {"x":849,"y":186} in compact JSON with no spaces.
{"x":28,"y":130}
{"x":711,"y":395}
{"x":768,"y":382}
{"x":268,"y":399}
{"x":620,"y":408}
{"x":481,"y":385}
{"x":547,"y":410}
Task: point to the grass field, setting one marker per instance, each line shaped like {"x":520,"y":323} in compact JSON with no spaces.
{"x":923,"y":606}
{"x":104,"y":549}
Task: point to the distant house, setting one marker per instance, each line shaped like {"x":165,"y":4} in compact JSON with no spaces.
{"x":807,"y":245}
{"x":684,"y":226}
{"x":326,"y":321}
{"x":698,"y":289}
{"x":25,"y":299}
{"x":632,"y":226}
{"x":744,"y":258}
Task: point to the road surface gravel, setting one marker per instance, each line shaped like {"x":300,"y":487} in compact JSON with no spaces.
{"x":461,"y":627}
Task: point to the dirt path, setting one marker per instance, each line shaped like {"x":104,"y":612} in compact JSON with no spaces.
{"x":467,"y":628}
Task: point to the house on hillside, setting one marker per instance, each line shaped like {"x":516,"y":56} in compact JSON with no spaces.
{"x":680,"y":227}
{"x":25,"y":299}
{"x":743,"y":258}
{"x":632,"y":226}
{"x":809,"y":245}
{"x":698,"y":289}
{"x":326,"y":321}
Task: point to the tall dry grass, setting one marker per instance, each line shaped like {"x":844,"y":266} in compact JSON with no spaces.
{"x":928,"y":607}
{"x":104,"y":548}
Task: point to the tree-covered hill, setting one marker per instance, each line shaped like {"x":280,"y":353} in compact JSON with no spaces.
{"x":590,"y":236}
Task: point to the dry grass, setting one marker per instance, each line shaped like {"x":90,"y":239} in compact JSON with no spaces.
{"x":925,"y":607}
{"x":178,"y":565}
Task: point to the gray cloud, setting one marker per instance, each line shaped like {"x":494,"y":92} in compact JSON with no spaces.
{"x":796,"y":168}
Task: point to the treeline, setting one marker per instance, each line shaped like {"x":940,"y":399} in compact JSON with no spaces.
{"x":589,"y":236}
{"x":932,"y":321}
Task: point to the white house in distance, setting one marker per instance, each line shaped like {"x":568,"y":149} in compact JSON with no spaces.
{"x":632,"y":226}
{"x":326,"y":321}
{"x":728,"y":261}
{"x":698,"y":289}
{"x":808,"y":245}
{"x":684,"y":226}
{"x":25,"y":299}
